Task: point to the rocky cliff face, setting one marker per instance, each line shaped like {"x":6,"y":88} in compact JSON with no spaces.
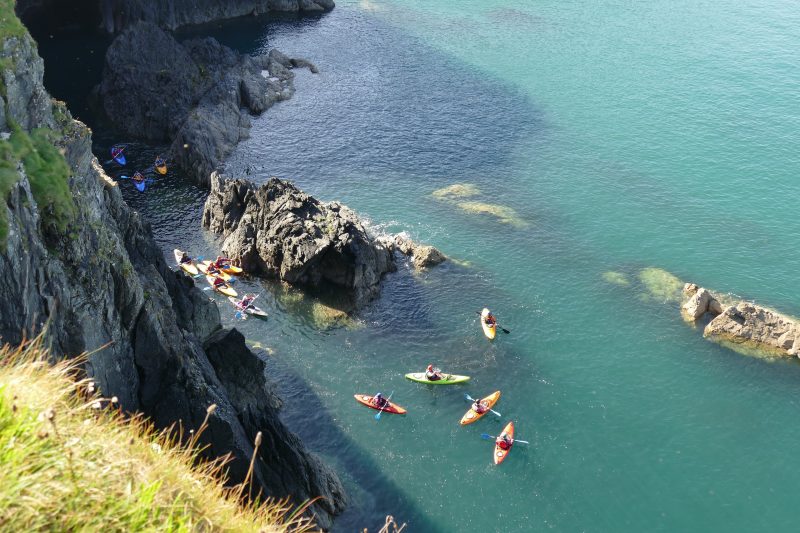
{"x":198,"y":95}
{"x":74,"y":256}
{"x":116,"y":15}
{"x":171,"y":14}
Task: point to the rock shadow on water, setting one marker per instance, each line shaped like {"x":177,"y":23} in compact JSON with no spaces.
{"x":373,"y":495}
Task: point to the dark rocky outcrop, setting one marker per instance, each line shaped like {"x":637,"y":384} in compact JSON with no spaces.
{"x":93,"y":272}
{"x":278,"y":231}
{"x":116,"y":15}
{"x":198,"y":95}
{"x":171,"y":14}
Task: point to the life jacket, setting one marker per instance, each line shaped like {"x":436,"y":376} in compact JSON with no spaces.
{"x":218,"y":282}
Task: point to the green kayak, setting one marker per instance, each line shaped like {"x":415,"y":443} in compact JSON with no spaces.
{"x":447,"y":379}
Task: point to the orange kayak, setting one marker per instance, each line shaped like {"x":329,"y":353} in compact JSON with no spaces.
{"x":472,"y":415}
{"x":391,"y":408}
{"x":500,"y":453}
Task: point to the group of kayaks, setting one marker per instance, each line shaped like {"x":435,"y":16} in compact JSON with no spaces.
{"x":432,"y":376}
{"x":220,"y":275}
{"x":139,"y":180}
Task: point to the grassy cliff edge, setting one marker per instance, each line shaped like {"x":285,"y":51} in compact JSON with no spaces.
{"x":71,"y":461}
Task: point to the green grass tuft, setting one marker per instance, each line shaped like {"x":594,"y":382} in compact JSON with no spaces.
{"x":71,"y":461}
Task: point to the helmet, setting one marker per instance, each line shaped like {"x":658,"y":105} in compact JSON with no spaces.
{"x":379,"y":395}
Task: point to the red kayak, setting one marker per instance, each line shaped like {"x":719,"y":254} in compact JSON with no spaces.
{"x":499,"y":452}
{"x":390,"y":408}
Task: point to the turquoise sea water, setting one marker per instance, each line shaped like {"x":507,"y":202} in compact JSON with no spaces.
{"x":623,"y":136}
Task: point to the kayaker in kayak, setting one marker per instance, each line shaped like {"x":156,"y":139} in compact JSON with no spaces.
{"x":137,"y":177}
{"x":490,"y":319}
{"x":379,"y":401}
{"x":212,"y":269}
{"x":480,"y":407}
{"x":185,"y":258}
{"x":219,"y":282}
{"x":504,"y":441}
{"x":116,"y":151}
{"x":246,"y":301}
{"x":221,"y":262}
{"x":160,"y":162}
{"x":433,"y":374}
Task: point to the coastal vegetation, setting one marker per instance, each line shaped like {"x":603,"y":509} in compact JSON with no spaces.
{"x":73,"y":461}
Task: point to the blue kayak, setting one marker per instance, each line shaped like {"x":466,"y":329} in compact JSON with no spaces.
{"x":140,"y":185}
{"x":118,"y":155}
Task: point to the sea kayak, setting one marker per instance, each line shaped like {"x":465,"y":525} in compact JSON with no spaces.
{"x":203,"y":267}
{"x":118,"y":156}
{"x":251,"y":309}
{"x":472,"y":415}
{"x":232,"y":270}
{"x":499,"y":453}
{"x":391,"y":408}
{"x":488,"y":330}
{"x":227,"y":290}
{"x":190,"y":268}
{"x":447,"y":379}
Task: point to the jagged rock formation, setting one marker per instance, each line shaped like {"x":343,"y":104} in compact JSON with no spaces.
{"x":116,"y":15}
{"x":753,"y":326}
{"x":422,"y":255}
{"x":197,"y":94}
{"x":743,"y":324}
{"x":171,"y":14}
{"x":699,"y":303}
{"x":278,"y":231}
{"x":73,"y":254}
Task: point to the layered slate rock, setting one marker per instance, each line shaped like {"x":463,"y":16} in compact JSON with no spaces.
{"x":756,"y":327}
{"x":198,"y":95}
{"x":278,"y":231}
{"x":99,"y":279}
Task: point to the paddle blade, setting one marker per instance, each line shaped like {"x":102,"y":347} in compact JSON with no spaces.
{"x":378,"y":416}
{"x":486,"y":436}
{"x":468,"y":397}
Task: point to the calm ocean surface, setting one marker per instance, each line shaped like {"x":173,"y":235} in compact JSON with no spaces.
{"x":596,"y":137}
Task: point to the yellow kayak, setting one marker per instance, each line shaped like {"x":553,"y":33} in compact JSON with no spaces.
{"x":232,"y":270}
{"x":472,"y":415}
{"x":190,"y":267}
{"x":489,"y":331}
{"x":226,"y":289}
{"x":204,"y":269}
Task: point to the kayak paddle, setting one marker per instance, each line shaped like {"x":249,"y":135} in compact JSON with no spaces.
{"x":504,"y":330}
{"x":378,"y":416}
{"x":470,"y":398}
{"x":486,"y":436}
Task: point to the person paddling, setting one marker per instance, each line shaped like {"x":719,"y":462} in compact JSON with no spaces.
{"x":221,"y":262}
{"x":480,"y":407}
{"x":247,"y":301}
{"x":137,"y":177}
{"x":185,"y":258}
{"x":219,"y":283}
{"x":432,"y":374}
{"x":490,"y":320}
{"x":504,"y":442}
{"x":379,"y":401}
